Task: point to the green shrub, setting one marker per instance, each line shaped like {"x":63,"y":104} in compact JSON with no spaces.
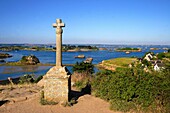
{"x":24,"y":59}
{"x":161,"y":55}
{"x":132,"y":88}
{"x":27,"y":78}
{"x":83,"y":67}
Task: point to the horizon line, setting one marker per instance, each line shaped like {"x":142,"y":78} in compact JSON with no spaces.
{"x":86,"y":44}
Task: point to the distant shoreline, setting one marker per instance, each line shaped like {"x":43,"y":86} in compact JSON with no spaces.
{"x":65,"y":48}
{"x":85,"y":44}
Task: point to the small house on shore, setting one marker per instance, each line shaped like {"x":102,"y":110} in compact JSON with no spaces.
{"x":148,"y":57}
{"x":158,"y":66}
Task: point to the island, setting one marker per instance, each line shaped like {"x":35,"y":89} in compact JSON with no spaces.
{"x":73,"y":48}
{"x":25,"y":60}
{"x":43,"y":47}
{"x":128,"y":49}
{"x":154,"y":48}
{"x":5,"y":55}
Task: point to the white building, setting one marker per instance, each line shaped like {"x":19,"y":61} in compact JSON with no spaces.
{"x":158,"y":66}
{"x":148,"y":57}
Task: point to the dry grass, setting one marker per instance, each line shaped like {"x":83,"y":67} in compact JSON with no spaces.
{"x":78,"y":77}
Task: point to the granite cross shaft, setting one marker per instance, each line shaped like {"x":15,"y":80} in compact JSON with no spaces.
{"x":58,"y":25}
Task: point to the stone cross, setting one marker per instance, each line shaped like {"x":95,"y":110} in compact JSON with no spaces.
{"x":57,"y":81}
{"x":58,"y":25}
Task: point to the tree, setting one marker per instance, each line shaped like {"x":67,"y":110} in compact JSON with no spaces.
{"x":161,"y":55}
{"x":168,"y":50}
{"x":83,"y":67}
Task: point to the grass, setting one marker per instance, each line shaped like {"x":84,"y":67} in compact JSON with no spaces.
{"x":119,"y":62}
{"x":167,"y":55}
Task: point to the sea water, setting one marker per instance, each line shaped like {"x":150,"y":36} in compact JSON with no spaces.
{"x":69,"y":58}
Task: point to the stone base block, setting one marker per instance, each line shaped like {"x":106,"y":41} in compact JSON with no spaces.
{"x":57,"y":85}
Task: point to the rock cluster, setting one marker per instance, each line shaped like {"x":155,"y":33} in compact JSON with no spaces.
{"x":1,"y":60}
{"x":30,"y":60}
{"x":5,"y":55}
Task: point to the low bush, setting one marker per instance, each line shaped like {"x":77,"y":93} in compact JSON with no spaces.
{"x":133,"y":89}
{"x":161,"y":56}
{"x":27,"y":78}
{"x":83,"y":67}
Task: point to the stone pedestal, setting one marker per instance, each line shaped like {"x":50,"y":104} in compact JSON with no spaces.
{"x":57,"y":84}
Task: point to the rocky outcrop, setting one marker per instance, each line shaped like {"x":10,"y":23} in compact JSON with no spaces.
{"x":29,"y":60}
{"x":5,"y":55}
{"x":80,"y":56}
{"x":1,"y":60}
{"x":88,"y":60}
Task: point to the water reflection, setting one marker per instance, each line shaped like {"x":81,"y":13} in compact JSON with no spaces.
{"x":16,"y":71}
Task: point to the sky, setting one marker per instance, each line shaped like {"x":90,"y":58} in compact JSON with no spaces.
{"x":87,"y":21}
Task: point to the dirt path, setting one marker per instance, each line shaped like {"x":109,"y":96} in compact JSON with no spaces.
{"x":25,"y":99}
{"x":86,"y":104}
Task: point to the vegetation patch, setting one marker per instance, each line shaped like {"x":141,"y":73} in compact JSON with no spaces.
{"x":128,"y":49}
{"x":29,"y":78}
{"x":134,"y":89}
{"x":83,"y":67}
{"x":112,"y":64}
{"x":82,"y":74}
{"x":120,"y":61}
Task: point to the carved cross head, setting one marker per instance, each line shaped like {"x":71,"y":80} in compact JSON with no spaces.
{"x":58,"y":24}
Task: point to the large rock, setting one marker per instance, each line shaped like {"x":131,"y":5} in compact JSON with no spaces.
{"x":30,"y":60}
{"x":5,"y":55}
{"x":1,"y":60}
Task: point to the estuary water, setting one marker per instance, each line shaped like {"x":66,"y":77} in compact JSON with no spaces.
{"x":69,"y":58}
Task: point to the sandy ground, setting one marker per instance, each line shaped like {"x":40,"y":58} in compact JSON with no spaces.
{"x":25,"y":99}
